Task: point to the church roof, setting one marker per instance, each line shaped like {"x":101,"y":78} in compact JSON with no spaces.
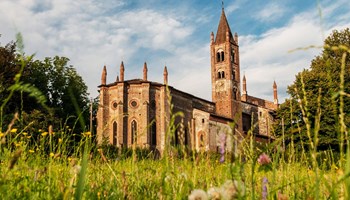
{"x":222,"y":29}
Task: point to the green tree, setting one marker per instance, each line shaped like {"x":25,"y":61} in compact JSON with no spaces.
{"x":64,"y":89}
{"x":314,"y":96}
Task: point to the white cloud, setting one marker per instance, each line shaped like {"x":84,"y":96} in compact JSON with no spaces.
{"x":270,"y":12}
{"x":93,"y":33}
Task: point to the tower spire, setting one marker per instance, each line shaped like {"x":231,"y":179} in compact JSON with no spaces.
{"x":275,"y":98}
{"x":104,"y":76}
{"x":122,"y":69}
{"x":244,"y":92}
{"x":145,"y":70}
{"x":165,"y":75}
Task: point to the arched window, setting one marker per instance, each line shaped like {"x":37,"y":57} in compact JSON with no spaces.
{"x":115,"y":128}
{"x":235,"y":93}
{"x":220,"y":55}
{"x":222,"y":74}
{"x":133,"y":131}
{"x":219,"y":75}
{"x":233,"y":57}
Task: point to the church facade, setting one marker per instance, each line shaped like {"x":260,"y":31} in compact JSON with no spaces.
{"x":143,"y":113}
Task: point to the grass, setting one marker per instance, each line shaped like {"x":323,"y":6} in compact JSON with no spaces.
{"x":45,"y":165}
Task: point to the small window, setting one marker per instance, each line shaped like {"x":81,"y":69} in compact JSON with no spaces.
{"x":219,"y":75}
{"x":203,"y":121}
{"x":222,"y":56}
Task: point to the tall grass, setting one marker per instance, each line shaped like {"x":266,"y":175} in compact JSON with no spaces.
{"x":44,"y":165}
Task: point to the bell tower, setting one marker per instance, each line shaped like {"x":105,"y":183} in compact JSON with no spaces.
{"x":225,"y":72}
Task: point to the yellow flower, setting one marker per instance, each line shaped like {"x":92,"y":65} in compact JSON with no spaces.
{"x":40,"y":130}
{"x":25,"y":133}
{"x":1,"y":134}
{"x":44,"y":133}
{"x":87,"y":134}
{"x":31,"y":151}
{"x":29,"y":136}
{"x":52,"y":154}
{"x":59,"y":140}
{"x":14,"y":130}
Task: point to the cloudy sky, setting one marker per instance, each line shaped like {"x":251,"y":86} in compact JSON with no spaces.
{"x":175,"y":33}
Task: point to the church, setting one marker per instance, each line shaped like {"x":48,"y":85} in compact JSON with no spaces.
{"x":143,"y":113}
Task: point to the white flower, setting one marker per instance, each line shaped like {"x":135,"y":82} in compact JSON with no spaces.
{"x":75,"y":169}
{"x":198,"y":194}
{"x":214,"y":193}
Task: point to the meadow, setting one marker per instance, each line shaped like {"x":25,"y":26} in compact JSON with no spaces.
{"x":50,"y":169}
{"x":62,"y":164}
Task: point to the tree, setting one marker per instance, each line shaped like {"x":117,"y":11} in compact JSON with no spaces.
{"x":64,"y":89}
{"x":314,"y":103}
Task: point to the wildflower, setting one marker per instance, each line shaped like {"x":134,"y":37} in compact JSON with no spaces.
{"x":14,"y":130}
{"x":1,"y":134}
{"x":265,"y":163}
{"x":264,"y":159}
{"x":25,"y":133}
{"x":52,"y":154}
{"x":44,"y":133}
{"x":31,"y":151}
{"x":264,"y":188}
{"x":87,"y":134}
{"x":214,"y":193}
{"x":198,"y":194}
{"x":59,"y":140}
{"x":75,"y":169}
{"x":40,"y":130}
{"x":29,"y":136}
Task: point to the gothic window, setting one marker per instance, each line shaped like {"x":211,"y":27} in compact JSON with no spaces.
{"x":233,"y":74}
{"x":233,"y":56}
{"x":235,"y":93}
{"x":133,"y":131}
{"x":154,"y":134}
{"x":220,"y":55}
{"x":221,"y":74}
{"x":115,"y":128}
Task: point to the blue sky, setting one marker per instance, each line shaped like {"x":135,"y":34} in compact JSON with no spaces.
{"x":93,"y":33}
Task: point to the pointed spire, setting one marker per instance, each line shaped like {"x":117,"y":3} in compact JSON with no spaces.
{"x":145,"y":70}
{"x":104,"y":76}
{"x":275,"y":98}
{"x":222,"y":29}
{"x":211,"y":38}
{"x":165,"y":75}
{"x":122,"y":69}
{"x":117,"y":78}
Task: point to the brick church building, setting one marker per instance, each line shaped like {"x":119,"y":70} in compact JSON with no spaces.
{"x":138,"y":111}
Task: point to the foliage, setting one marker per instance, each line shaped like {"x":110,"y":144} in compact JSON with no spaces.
{"x":51,"y":88}
{"x":315,"y":99}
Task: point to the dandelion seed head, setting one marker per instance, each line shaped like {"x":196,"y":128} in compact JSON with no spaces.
{"x":198,"y":194}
